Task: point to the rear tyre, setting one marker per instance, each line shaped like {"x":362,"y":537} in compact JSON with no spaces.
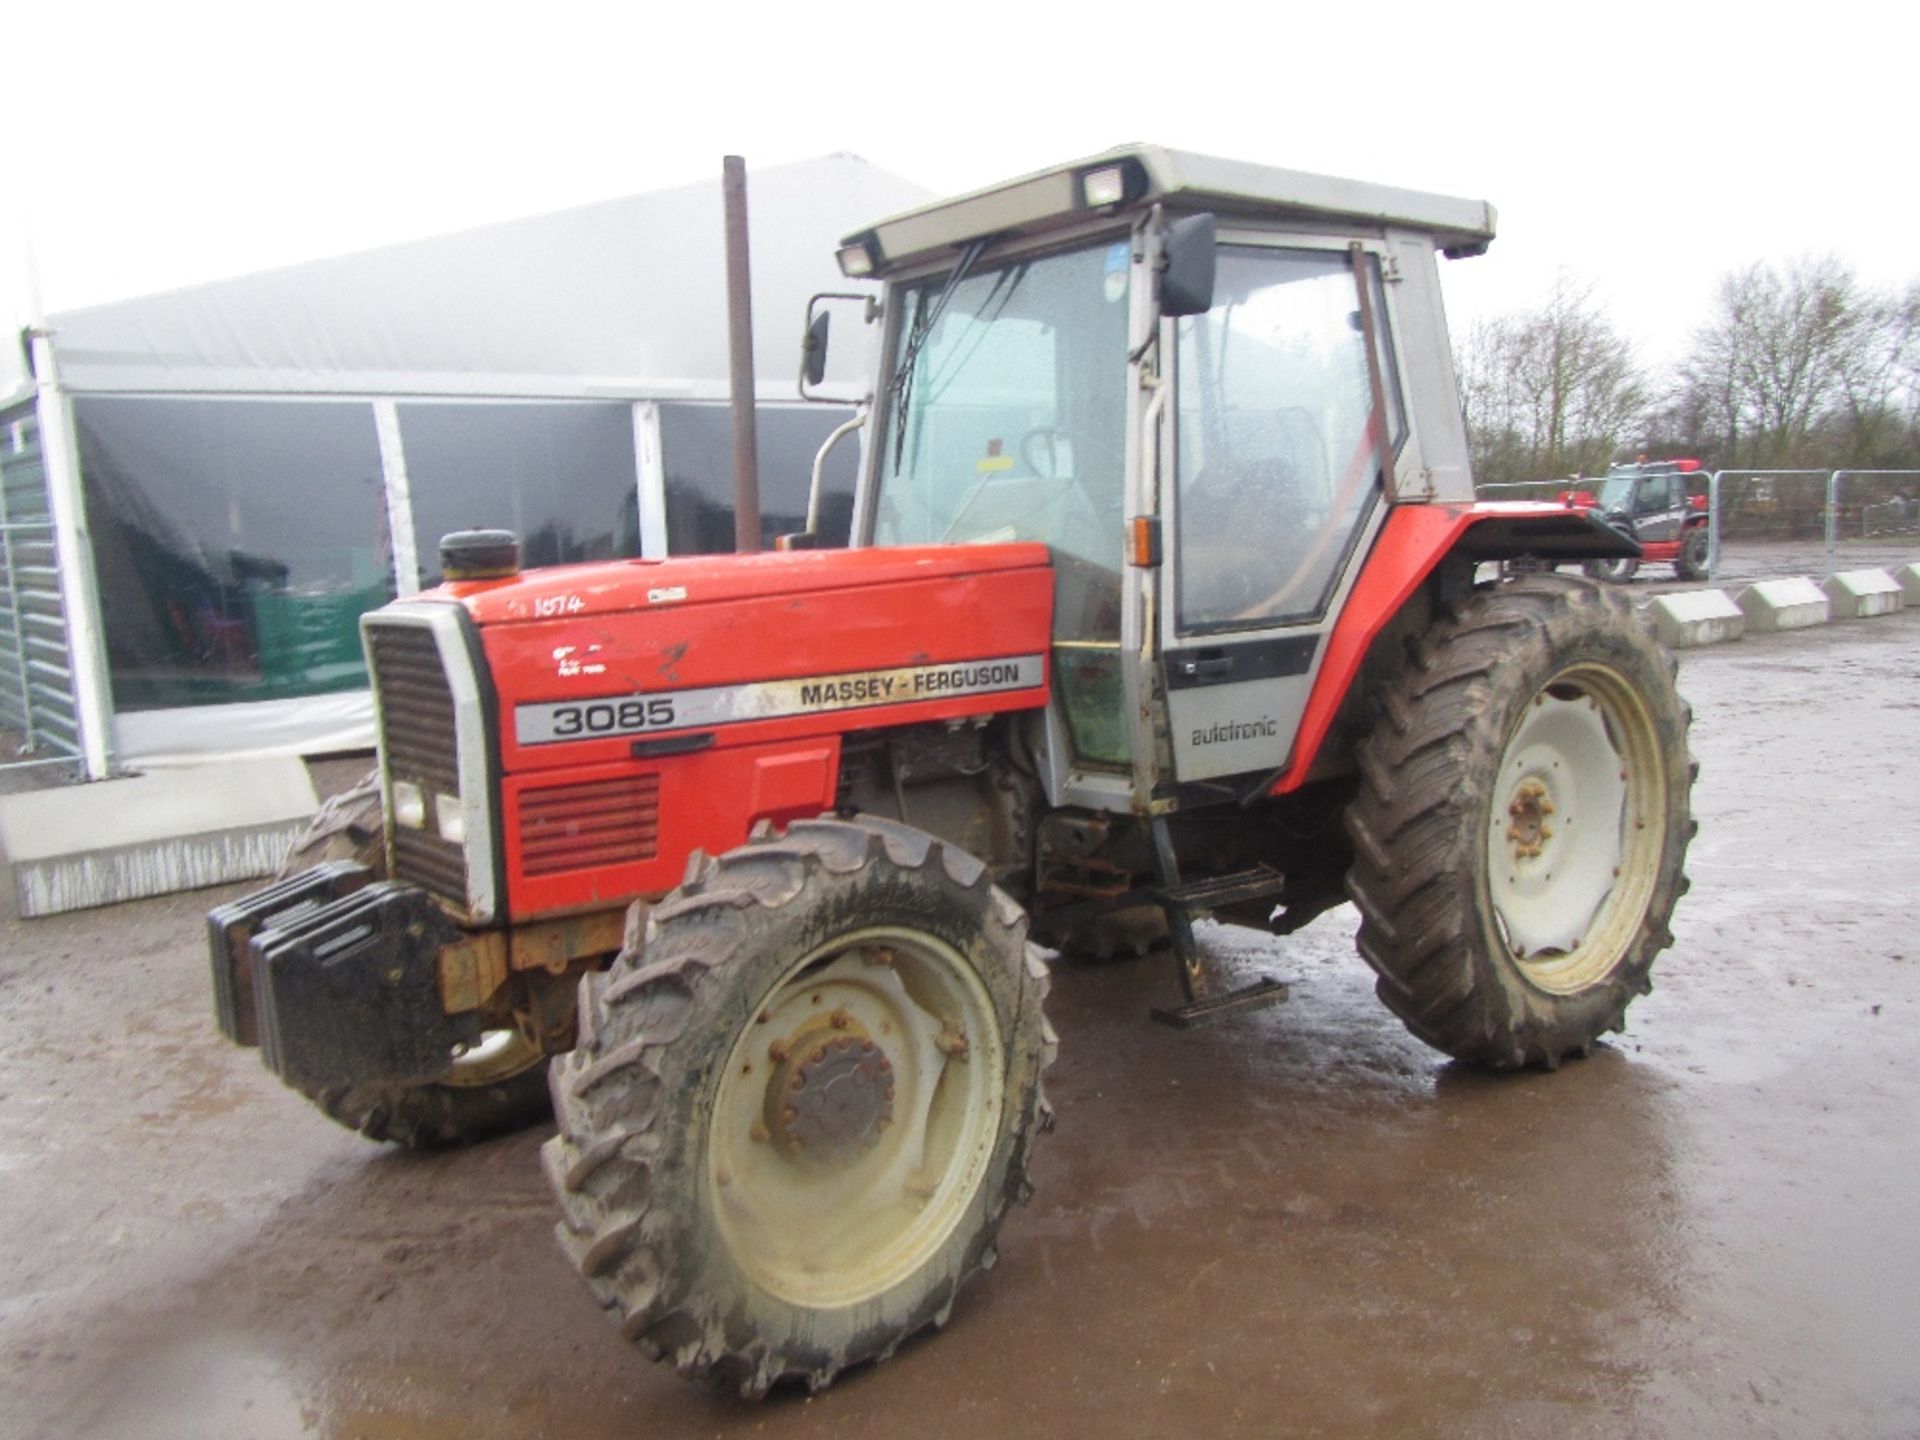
{"x":1692,"y":564}
{"x":1521,"y":823}
{"x":1615,"y":571}
{"x":800,"y":1109}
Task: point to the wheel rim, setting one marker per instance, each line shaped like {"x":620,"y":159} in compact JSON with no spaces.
{"x":856,"y":1117}
{"x":1575,"y":830}
{"x":497,"y":1055}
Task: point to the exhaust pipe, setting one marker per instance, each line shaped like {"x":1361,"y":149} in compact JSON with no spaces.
{"x":746,"y":448}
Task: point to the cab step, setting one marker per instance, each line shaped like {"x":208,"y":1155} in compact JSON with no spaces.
{"x":1211,"y":891}
{"x":1206,"y":998}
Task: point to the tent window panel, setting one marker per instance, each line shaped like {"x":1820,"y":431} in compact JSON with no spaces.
{"x":236,"y":542}
{"x":560,"y":476}
{"x":696,"y":449}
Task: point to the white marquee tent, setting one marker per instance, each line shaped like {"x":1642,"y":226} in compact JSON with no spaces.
{"x":204,"y":489}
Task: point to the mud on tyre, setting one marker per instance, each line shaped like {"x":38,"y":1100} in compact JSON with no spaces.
{"x":800,"y":1109}
{"x":1521,"y":823}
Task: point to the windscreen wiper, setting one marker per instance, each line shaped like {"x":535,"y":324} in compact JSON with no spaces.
{"x":900,"y":387}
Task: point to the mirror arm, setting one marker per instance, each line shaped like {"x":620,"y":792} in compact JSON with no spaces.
{"x":814,"y":490}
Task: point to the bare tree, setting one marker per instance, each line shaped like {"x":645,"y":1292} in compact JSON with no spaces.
{"x":1549,"y":391}
{"x":1803,"y":366}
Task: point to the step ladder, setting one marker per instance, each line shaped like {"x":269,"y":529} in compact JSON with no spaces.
{"x":1207,"y":997}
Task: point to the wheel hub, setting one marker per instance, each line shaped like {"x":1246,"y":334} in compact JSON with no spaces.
{"x":832,"y":1097}
{"x":1528,"y":810}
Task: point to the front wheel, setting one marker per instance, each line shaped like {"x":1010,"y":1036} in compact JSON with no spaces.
{"x":800,"y":1109}
{"x":1692,"y":564}
{"x":495,"y":1087}
{"x":1521,"y":823}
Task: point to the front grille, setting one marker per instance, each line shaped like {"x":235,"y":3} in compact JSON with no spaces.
{"x":418,"y":743}
{"x":579,"y":827}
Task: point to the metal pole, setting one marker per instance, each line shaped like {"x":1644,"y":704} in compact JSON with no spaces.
{"x":399,"y":493}
{"x":653,"y":479}
{"x":1833,"y":521}
{"x":1713,"y":524}
{"x":746,"y":450}
{"x":73,"y":552}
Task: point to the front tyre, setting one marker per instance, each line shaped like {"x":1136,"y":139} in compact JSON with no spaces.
{"x":495,"y":1087}
{"x":1692,"y":564}
{"x":1522,"y":822}
{"x":799,"y":1110}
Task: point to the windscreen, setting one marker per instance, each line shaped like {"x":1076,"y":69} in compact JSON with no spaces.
{"x":1007,"y":420}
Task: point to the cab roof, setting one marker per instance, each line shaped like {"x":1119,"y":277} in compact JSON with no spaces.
{"x":1147,"y":174}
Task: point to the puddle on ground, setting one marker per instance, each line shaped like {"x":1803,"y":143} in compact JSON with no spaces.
{"x":198,"y":1389}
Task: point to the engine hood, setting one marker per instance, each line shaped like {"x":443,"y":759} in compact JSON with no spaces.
{"x":583,"y":592}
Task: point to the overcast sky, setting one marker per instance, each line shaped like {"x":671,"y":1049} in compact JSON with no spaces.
{"x":1647,"y":148}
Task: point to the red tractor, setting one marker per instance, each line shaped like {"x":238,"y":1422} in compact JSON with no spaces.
{"x":1161,"y":603}
{"x":1652,"y":503}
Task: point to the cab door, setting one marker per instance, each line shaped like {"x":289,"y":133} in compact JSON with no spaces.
{"x":1286,"y":412}
{"x":1659,"y":509}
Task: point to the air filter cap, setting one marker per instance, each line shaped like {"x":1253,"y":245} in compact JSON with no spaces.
{"x":479,"y":555}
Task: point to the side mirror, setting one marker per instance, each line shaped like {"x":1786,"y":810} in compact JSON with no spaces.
{"x":1186,"y":267}
{"x":813,"y":349}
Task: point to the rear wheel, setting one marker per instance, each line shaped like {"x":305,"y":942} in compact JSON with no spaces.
{"x":1616,"y":570}
{"x":1522,"y":822}
{"x":800,"y":1109}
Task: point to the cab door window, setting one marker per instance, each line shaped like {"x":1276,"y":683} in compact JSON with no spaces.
{"x":1278,"y":443}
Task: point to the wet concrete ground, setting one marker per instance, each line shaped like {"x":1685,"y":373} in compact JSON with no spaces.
{"x":1298,"y":1223}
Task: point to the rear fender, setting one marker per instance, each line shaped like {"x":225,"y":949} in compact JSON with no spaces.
{"x":1410,"y":548}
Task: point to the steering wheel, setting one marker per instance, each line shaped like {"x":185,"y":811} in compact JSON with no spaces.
{"x":1044,"y":443}
{"x":1052,"y":435}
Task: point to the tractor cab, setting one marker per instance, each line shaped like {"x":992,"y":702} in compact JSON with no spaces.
{"x":1202,"y":385}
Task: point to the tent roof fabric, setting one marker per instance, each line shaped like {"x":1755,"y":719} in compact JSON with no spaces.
{"x":625,"y":298}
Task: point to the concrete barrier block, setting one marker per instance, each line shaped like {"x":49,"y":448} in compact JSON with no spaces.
{"x":1857,"y":594}
{"x":1697,"y":617}
{"x":1909,"y":578}
{"x":83,"y":845}
{"x":1783,"y":604}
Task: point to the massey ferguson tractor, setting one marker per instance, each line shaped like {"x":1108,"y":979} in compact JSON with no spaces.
{"x":1650,"y":502}
{"x":1161,"y":603}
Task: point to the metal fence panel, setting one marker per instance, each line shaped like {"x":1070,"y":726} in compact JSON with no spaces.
{"x":36,"y":665}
